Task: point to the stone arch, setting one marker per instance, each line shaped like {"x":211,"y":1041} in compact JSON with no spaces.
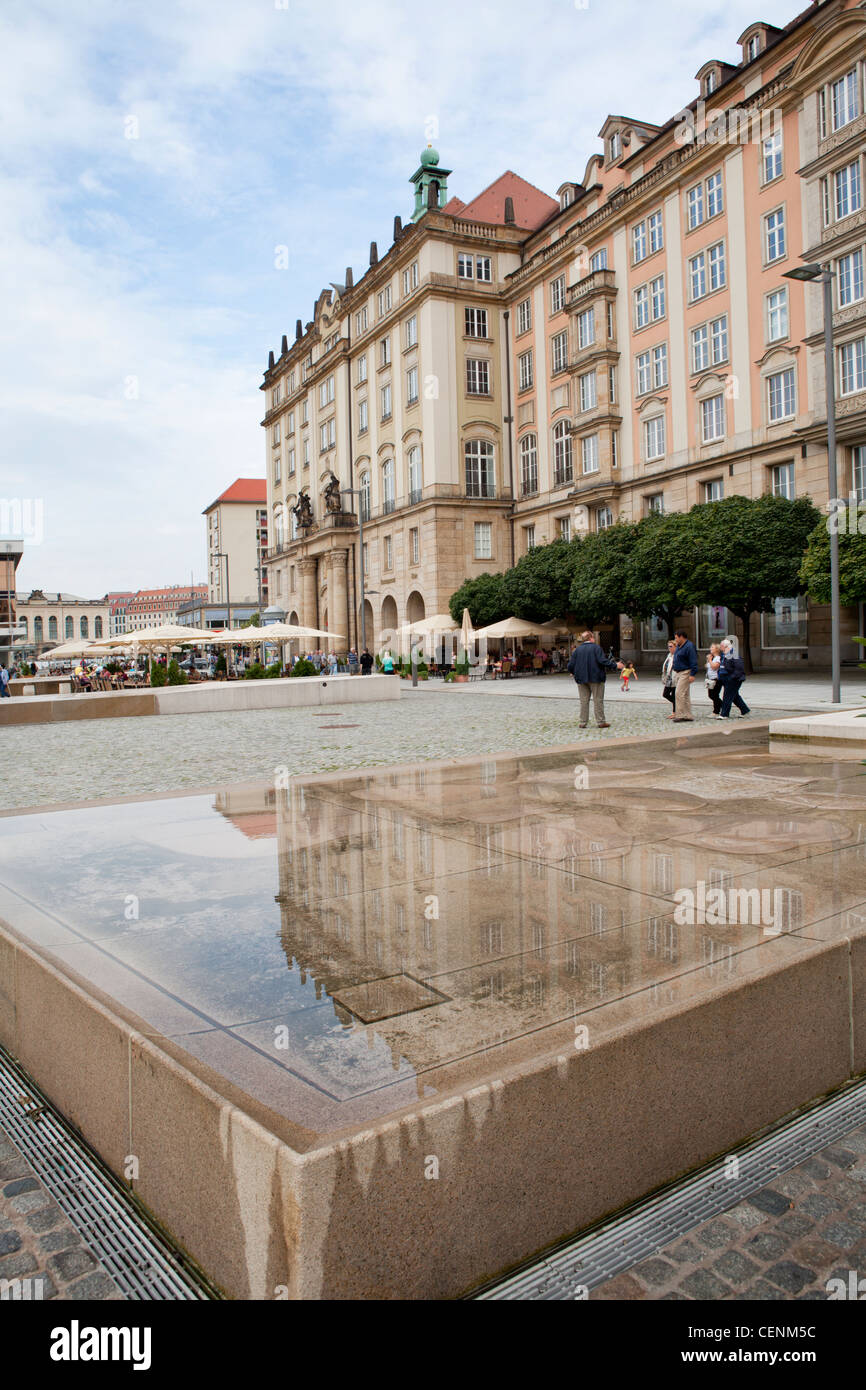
{"x":369,"y":623}
{"x":415,"y":608}
{"x":389,"y":620}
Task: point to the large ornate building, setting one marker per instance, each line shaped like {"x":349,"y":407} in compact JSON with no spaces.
{"x":520,"y":368}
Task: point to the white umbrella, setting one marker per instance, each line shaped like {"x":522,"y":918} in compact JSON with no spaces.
{"x":511,"y":627}
{"x":437,"y":622}
{"x":69,"y":649}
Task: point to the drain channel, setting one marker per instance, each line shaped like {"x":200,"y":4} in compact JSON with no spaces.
{"x":644,"y":1229}
{"x":139,"y":1259}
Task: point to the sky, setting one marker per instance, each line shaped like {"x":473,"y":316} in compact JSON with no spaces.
{"x":155,"y":156}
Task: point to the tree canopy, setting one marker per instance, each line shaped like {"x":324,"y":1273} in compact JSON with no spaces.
{"x":815,"y":569}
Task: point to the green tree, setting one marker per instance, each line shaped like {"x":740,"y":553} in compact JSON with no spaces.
{"x":745,"y":552}
{"x":815,"y":568}
{"x":538,"y":586}
{"x":600,"y":574}
{"x":253,"y":621}
{"x":483,"y":597}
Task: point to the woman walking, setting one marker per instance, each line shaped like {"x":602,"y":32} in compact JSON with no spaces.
{"x":711,"y":679}
{"x":668,"y":690}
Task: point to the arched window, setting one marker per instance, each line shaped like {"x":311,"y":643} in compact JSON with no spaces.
{"x":97,"y":627}
{"x":279,"y":526}
{"x":25,"y":627}
{"x":293,"y":525}
{"x":388,"y":501}
{"x":480,"y":473}
{"x":37,"y":629}
{"x":70,"y":628}
{"x":364,"y":498}
{"x":52,"y":629}
{"x":415,"y":480}
{"x":528,"y":465}
{"x":563,"y":468}
{"x":83,"y":627}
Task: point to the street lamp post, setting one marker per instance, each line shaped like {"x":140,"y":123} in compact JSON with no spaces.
{"x":823,"y":275}
{"x":222,"y":555}
{"x":358,"y":492}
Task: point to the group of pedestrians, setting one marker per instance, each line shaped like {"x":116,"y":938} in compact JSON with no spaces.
{"x":724,"y":673}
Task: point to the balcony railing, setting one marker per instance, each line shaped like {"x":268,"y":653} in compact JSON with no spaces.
{"x":595,"y":283}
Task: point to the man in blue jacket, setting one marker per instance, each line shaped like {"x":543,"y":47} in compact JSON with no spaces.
{"x":589,"y":666}
{"x":685,"y":668}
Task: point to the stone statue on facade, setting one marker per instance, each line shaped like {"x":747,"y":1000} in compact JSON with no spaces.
{"x":303,"y":510}
{"x":333,"y":496}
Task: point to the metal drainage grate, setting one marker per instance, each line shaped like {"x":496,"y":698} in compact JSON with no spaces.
{"x":643,"y":1230}
{"x":139,"y":1259}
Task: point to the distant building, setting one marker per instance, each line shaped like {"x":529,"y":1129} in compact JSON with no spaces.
{"x":10,"y":554}
{"x":237,"y":528}
{"x":151,"y":607}
{"x":47,"y":619}
{"x":118,"y":604}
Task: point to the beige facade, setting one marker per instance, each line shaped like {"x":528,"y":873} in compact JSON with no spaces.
{"x":640,"y":349}
{"x":46,"y":620}
{"x":237,"y":528}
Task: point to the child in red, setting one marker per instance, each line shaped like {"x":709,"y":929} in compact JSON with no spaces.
{"x":626,"y":673}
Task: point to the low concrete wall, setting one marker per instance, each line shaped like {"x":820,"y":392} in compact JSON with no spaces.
{"x":553,"y":1140}
{"x":840,"y":734}
{"x":204,"y":697}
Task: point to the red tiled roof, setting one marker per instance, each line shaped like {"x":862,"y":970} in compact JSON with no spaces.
{"x":244,"y":490}
{"x":531,"y":206}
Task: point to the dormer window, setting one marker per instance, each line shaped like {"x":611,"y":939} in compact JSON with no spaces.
{"x":614,"y":147}
{"x":711,"y":82}
{"x":564,"y":199}
{"x":753,"y":47}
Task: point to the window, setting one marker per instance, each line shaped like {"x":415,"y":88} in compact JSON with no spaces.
{"x":366,"y":550}
{"x":290,"y":383}
{"x":611,"y":333}
{"x":654,"y":438}
{"x":587,"y":391}
{"x":638,"y":242}
{"x":611,"y":385}
{"x":643,"y":376}
{"x":714,"y":490}
{"x":383,"y":301}
{"x":846,"y":190}
{"x":710,"y":344}
{"x":305,"y":411}
{"x":842,"y":99}
{"x":614,"y":449}
{"x":465,"y":266}
{"x":603,"y":518}
{"x":715,"y":203}
{"x":657,"y":298}
{"x":559,"y":351}
{"x":529,"y":532}
{"x":849,"y":278}
{"x":695,"y":204}
{"x":82,"y":626}
{"x":388,"y":553}
{"x":278,"y":472}
{"x":306,"y":453}
{"x":660,"y":365}
{"x":388,"y":498}
{"x":557,"y":295}
{"x":777,"y":315}
{"x":415,"y":477}
{"x":707,"y":271}
{"x":782,"y":480}
{"x":386,"y":401}
{"x":586,"y":328}
{"x":410,"y":278}
{"x":483,"y":268}
{"x":858,"y":471}
{"x":362,"y":417}
{"x":52,"y":628}
{"x":275,"y":396}
{"x":528,"y":465}
{"x":614,"y":147}
{"x":655,"y":503}
{"x":362,"y":368}
{"x":477,"y":376}
{"x":589,"y":453}
{"x":649,"y":302}
{"x":753,"y":47}
{"x":780,"y":395}
{"x":524,"y":370}
{"x":478,"y":462}
{"x":713,"y":419}
{"x":326,"y":392}
{"x":275,"y":438}
{"x":412,"y":386}
{"x":483,"y":540}
{"x":290,"y":427}
{"x":563,"y":468}
{"x":327,"y":435}
{"x":524,"y":316}
{"x":641,"y":307}
{"x":291,"y":463}
{"x":385,"y":352}
{"x":361,"y":321}
{"x":564,"y":525}
{"x":598,"y":260}
{"x":774,"y":235}
{"x":772,"y":157}
{"x":364,"y":498}
{"x":475,"y":323}
{"x":412,"y":331}
{"x":710,"y":82}
{"x":68,"y":627}
{"x":656,"y":232}
{"x":852,"y":367}
{"x":564,"y":199}
{"x":414,"y":546}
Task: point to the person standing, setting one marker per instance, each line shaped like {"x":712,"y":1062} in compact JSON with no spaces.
{"x":366,"y":662}
{"x":626,"y":675}
{"x":668,"y":685}
{"x":732,"y":673}
{"x":685,"y":669}
{"x":589,"y":666}
{"x":4,"y":683}
{"x":388,"y":664}
{"x":714,"y":690}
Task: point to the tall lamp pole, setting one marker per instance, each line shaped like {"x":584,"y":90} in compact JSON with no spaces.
{"x":222,"y":555}
{"x":358,"y":492}
{"x":822,"y":274}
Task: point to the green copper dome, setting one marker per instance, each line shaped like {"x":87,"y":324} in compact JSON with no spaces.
{"x":429,"y":156}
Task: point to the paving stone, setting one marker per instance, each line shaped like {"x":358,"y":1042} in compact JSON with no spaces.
{"x":14,"y":1168}
{"x":29,"y":1201}
{"x":789,"y":1276}
{"x":622,"y":1287}
{"x":61,"y":1239}
{"x":747,"y":1216}
{"x":735,"y":1267}
{"x":770,"y":1201}
{"x":12,"y":1189}
{"x":843,"y":1158}
{"x":793,"y":1184}
{"x":13,"y":1266}
{"x":766,"y":1245}
{"x":817,"y":1205}
{"x":70,"y":1263}
{"x":45,"y":1220}
{"x":98,"y":1285}
{"x":794,"y":1224}
{"x":856,"y":1141}
{"x":762,"y":1292}
{"x":714,"y":1235}
{"x":685,"y":1252}
{"x":815,"y":1252}
{"x":842,"y":1233}
{"x":816,"y":1168}
{"x":9,"y":1241}
{"x":704,"y":1285}
{"x":655,"y":1271}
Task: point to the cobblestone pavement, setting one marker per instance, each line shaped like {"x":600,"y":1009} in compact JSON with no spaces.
{"x":784,"y":1242}
{"x":86,"y":759}
{"x":39,"y":1243}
